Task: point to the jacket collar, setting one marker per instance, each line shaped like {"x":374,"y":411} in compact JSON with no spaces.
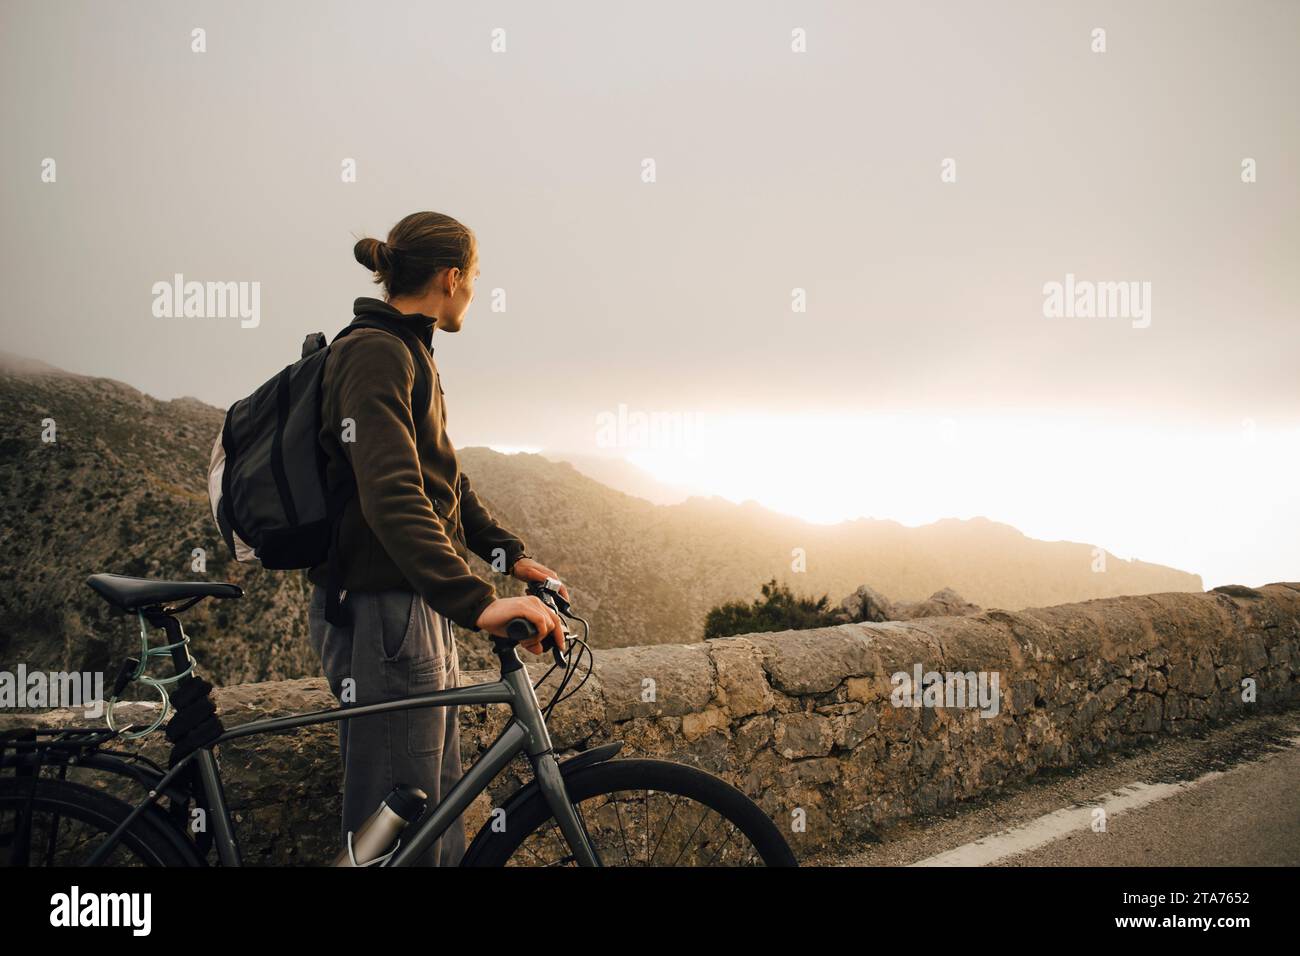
{"x":419,"y":323}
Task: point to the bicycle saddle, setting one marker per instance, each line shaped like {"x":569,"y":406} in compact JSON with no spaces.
{"x":132,"y":594}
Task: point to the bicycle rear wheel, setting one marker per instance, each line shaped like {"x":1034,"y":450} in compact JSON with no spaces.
{"x":639,"y":813}
{"x":62,"y":823}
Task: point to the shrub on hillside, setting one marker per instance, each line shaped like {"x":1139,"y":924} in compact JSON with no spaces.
{"x":778,"y":609}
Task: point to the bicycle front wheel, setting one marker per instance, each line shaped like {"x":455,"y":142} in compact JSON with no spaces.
{"x":639,"y":813}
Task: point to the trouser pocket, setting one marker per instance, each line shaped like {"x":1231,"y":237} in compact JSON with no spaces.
{"x":427,"y":727}
{"x":424,"y":661}
{"x":398,"y":617}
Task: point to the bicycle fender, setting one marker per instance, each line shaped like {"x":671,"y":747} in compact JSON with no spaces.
{"x":143,"y":775}
{"x":577,"y":762}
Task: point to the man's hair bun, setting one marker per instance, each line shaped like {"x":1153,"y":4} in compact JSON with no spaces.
{"x":376,"y":256}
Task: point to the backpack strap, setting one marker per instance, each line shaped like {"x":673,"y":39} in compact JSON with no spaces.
{"x":336,"y":499}
{"x":338,"y":496}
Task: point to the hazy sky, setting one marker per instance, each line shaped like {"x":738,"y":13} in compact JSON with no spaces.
{"x":923,"y":380}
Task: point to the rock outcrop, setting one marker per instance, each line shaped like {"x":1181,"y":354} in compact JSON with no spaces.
{"x":867,"y":606}
{"x":942,"y":603}
{"x":808,"y":722}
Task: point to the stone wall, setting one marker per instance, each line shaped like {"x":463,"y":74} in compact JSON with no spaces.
{"x":803,"y":721}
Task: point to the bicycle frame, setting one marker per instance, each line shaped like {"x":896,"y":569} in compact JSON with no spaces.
{"x":525,"y":732}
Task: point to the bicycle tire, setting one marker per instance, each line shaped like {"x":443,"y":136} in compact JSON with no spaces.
{"x":149,"y":841}
{"x":492,"y":848}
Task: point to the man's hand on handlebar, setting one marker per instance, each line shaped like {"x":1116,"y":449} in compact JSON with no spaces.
{"x":527,"y":569}
{"x":502,"y":611}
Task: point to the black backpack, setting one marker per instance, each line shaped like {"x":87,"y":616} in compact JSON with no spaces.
{"x":267,"y":477}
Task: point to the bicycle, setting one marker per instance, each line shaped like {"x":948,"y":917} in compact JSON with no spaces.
{"x":589,"y":810}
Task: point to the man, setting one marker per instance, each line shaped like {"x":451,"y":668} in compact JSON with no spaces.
{"x":404,"y":538}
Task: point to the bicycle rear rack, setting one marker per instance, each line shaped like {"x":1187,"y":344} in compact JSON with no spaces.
{"x":31,"y":749}
{"x":28,"y":751}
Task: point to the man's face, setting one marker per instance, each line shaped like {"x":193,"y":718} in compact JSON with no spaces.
{"x":453,"y":317}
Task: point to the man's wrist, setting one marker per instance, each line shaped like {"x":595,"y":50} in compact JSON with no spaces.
{"x":477,"y":611}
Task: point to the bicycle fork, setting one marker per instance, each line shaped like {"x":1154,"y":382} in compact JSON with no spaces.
{"x":551,"y":782}
{"x":546,"y":768}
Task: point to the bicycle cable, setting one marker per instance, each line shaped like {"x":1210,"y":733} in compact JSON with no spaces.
{"x":157,"y":683}
{"x":583,"y":649}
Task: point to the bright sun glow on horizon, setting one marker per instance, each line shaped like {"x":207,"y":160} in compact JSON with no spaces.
{"x":1219,"y":503}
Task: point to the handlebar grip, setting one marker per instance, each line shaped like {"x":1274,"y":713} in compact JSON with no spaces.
{"x":521,"y":629}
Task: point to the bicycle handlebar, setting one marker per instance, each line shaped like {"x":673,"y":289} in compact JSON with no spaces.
{"x":521,"y":629}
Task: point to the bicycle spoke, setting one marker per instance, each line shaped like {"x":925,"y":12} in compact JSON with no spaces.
{"x":723,"y":823}
{"x":556,"y":836}
{"x":49,"y":837}
{"x":705,"y":814}
{"x":627,"y":854}
{"x":614,"y":826}
{"x":673,"y":811}
{"x":49,"y":847}
{"x":723,"y":844}
{"x":536,"y":856}
{"x":22,"y":839}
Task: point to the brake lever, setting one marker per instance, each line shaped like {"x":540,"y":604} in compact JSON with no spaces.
{"x":556,"y":654}
{"x":549,"y":590}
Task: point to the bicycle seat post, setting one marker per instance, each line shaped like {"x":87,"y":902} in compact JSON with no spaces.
{"x":179,"y":643}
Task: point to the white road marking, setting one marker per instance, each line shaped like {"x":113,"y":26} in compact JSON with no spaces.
{"x":1053,"y":826}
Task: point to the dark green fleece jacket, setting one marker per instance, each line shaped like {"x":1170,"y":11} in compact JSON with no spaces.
{"x":415,"y":516}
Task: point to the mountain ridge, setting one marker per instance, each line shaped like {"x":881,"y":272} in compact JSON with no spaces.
{"x":123,"y":489}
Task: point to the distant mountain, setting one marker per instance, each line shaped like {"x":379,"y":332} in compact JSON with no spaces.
{"x":656,"y":570}
{"x":622,"y":475}
{"x":123,"y":488}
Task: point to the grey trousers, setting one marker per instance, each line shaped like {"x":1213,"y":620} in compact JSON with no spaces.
{"x":395,"y":645}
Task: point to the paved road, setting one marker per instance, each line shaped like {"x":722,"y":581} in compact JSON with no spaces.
{"x":1231,"y":798}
